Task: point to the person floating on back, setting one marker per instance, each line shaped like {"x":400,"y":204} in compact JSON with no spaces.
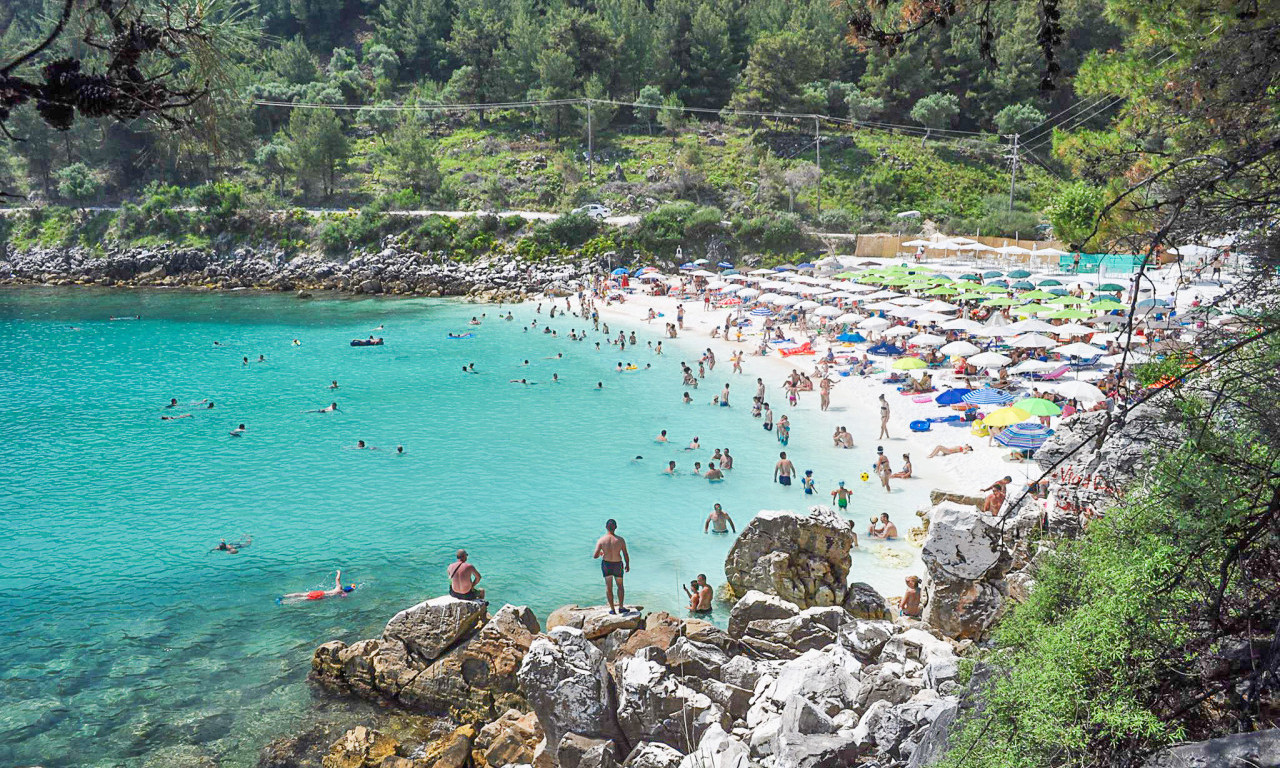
{"x":611,"y":550}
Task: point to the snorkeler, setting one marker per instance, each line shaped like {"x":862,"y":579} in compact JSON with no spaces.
{"x":320,"y":594}
{"x":234,"y":547}
{"x":328,"y":409}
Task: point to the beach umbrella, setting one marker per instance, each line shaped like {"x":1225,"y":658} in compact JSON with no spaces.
{"x":1057,"y":292}
{"x":990,"y":360}
{"x":1003,"y":417}
{"x":952,"y":397}
{"x":966,"y":282}
{"x":1018,"y":273}
{"x":827,"y":311}
{"x":1027,"y":437}
{"x":621,"y":271}
{"x":809,"y":305}
{"x":761,"y":271}
{"x":1034,"y":309}
{"x":1066,"y":300}
{"x":939,"y":306}
{"x":908,"y":301}
{"x":1072,"y":329}
{"x":926,"y":340}
{"x":987,"y":396}
{"x":785,"y":301}
{"x":1106,"y":305}
{"x":724,"y":265}
{"x":900,"y":330}
{"x":785,"y":268}
{"x":1033,"y":341}
{"x":959,"y":349}
{"x":749,"y":293}
{"x":881,"y":306}
{"x":905,"y":312}
{"x":993,"y":273}
{"x":1002,"y":301}
{"x":1023,"y":285}
{"x":848,"y":317}
{"x":874,"y":323}
{"x":961,"y":324}
{"x":1036,"y":295}
{"x":729,"y":272}
{"x":1048,"y":252}
{"x":1078,"y":390}
{"x":1038,"y":406}
{"x":700,"y":262}
{"x":926,"y":318}
{"x":996,"y":287}
{"x":1109,"y":287}
{"x":1069,"y":314}
{"x":1050,"y":281}
{"x":942,"y":290}
{"x":1032,"y":366}
{"x":970,"y":296}
{"x":885,"y":350}
{"x":908,"y":364}
{"x":1031,"y":325}
{"x":688,"y":265}
{"x":1011,"y":250}
{"x":850,"y":338}
{"x":702,"y":273}
{"x":762,"y":312}
{"x":1078,"y":349}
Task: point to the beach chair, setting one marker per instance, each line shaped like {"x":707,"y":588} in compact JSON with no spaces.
{"x":1056,"y":373}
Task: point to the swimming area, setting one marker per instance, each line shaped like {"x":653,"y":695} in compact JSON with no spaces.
{"x":126,"y":637}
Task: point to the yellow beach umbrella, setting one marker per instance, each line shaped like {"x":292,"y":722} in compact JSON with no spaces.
{"x":1006,"y":416}
{"x":909,"y":364}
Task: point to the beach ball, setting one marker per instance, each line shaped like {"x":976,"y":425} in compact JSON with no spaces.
{"x":865,"y":477}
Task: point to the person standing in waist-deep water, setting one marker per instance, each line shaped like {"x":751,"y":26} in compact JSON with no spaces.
{"x":611,"y":550}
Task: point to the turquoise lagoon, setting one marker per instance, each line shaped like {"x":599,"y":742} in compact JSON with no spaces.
{"x":126,"y":640}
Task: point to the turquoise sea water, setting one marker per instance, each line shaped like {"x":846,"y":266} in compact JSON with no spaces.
{"x":124,"y":636}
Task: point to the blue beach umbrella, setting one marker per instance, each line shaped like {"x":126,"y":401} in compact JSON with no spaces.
{"x":725,"y":265}
{"x":762,"y":312}
{"x":804,"y":265}
{"x":785,"y":268}
{"x":952,"y":397}
{"x":1024,"y":285}
{"x":621,"y":271}
{"x":687,"y":265}
{"x":850,"y":338}
{"x":729,"y":272}
{"x":987,"y":396}
{"x":885,"y":349}
{"x":1025,"y":436}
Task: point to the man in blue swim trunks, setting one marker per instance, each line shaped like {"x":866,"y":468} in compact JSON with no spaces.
{"x":611,"y":550}
{"x":784,"y":470}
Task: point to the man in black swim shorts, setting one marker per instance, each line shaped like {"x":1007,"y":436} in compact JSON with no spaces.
{"x":611,"y":549}
{"x":463,"y":578}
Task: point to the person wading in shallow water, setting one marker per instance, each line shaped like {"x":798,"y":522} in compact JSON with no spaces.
{"x":611,"y":550}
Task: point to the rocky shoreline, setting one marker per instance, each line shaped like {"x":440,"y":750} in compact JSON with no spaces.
{"x":390,"y":271}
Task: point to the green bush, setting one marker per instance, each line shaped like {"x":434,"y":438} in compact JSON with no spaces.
{"x":572,"y":229}
{"x":703,"y":224}
{"x":662,"y":230}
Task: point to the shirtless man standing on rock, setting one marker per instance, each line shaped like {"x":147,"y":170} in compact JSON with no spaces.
{"x":616,"y":561}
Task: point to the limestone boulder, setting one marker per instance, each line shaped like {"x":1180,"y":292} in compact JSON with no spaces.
{"x":660,"y":630}
{"x":688,"y":658}
{"x":755,"y":605}
{"x":576,"y":751}
{"x":1259,"y":749}
{"x":654,"y":705}
{"x":360,"y":747}
{"x":718,"y":749}
{"x":866,"y":638}
{"x":566,"y":682}
{"x":451,"y":751}
{"x":966,"y":563}
{"x":595,"y":621}
{"x":652,"y":754}
{"x":811,"y":629}
{"x":801,"y":558}
{"x":512,"y":739}
{"x":433,"y":626}
{"x":862,"y":601}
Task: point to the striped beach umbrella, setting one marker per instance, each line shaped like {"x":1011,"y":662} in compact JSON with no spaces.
{"x":762,"y":312}
{"x":1027,"y":437}
{"x":987,"y":396}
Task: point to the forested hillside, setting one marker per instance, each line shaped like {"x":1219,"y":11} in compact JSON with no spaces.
{"x":758,"y":55}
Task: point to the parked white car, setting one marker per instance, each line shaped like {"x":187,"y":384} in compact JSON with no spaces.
{"x":594,"y":210}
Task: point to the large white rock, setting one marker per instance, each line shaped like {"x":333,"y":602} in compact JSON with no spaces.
{"x":966,"y":565}
{"x":654,"y":705}
{"x":717,"y":749}
{"x":431,"y":627}
{"x":800,"y":558}
{"x":566,"y":682}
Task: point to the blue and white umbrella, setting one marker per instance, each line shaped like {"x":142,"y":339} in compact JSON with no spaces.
{"x":762,"y":312}
{"x":725,"y":265}
{"x":621,"y":271}
{"x":987,"y":396}
{"x":1024,"y":436}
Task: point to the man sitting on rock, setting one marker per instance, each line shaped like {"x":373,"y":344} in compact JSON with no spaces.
{"x":463,"y":578}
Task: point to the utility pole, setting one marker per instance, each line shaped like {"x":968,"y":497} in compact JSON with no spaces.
{"x":817,"y":153}
{"x":591,"y":155}
{"x":1013,"y":167}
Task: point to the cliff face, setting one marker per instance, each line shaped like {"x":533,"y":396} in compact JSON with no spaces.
{"x":389,"y":271}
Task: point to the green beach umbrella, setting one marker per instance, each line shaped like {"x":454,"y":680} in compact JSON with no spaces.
{"x":1038,"y":406}
{"x":909,"y":364}
{"x":942,"y":290}
{"x":1050,"y":281}
{"x":1019,"y":273}
{"x":1107,"y":304}
{"x":970,"y":276}
{"x":846,"y":275}
{"x":991,"y":288}
{"x":1033,"y":309}
{"x":1110,"y":287}
{"x":1069,"y":314}
{"x":1023,"y":285}
{"x":1002,"y":301}
{"x":1036,"y":295}
{"x":970,"y":296}
{"x":1066,"y":300}
{"x":962,"y":283}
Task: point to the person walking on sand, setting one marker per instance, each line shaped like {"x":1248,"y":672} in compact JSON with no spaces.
{"x":463,"y":578}
{"x":783,"y":470}
{"x":611,"y":550}
{"x":884,"y":418}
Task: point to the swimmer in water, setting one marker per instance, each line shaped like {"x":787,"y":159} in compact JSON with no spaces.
{"x":233,"y":548}
{"x":173,"y":403}
{"x":555,"y":378}
{"x":320,"y":594}
{"x":712,"y":472}
{"x":297,"y":343}
{"x":361,"y":446}
{"x":262,"y":358}
{"x":693,"y":446}
{"x":244,"y":360}
{"x":380,"y":328}
{"x":399,"y":450}
{"x":209,"y":407}
{"x":333,"y":384}
{"x":327,"y":409}
{"x":662,"y":437}
{"x":238,"y":431}
{"x":526,"y":382}
{"x":175,"y":418}
{"x":599,"y":385}
{"x":716,"y":521}
{"x":671,"y":468}
{"x":559,"y":356}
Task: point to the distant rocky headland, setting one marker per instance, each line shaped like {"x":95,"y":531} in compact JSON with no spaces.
{"x":390,"y":271}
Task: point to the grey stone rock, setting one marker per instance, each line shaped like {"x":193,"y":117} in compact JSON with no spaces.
{"x":566,"y":682}
{"x":717,"y":749}
{"x":433,"y":626}
{"x":817,"y":751}
{"x":862,"y":601}
{"x":654,"y":705}
{"x":648,"y":754}
{"x":687,"y":658}
{"x":965,"y":561}
{"x":801,"y":558}
{"x":755,"y":605}
{"x":866,"y":638}
{"x":799,"y":715}
{"x":575,"y":751}
{"x":1260,"y":749}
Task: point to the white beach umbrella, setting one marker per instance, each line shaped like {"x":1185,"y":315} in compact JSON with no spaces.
{"x":762,"y":272}
{"x":926,"y":340}
{"x":989,"y":360}
{"x":900,"y":330}
{"x":1033,"y":341}
{"x":817,"y":290}
{"x":808,"y":305}
{"x":939,"y":306}
{"x":827,"y":311}
{"x":905,"y":313}
{"x":1048,"y":252}
{"x":785,"y":301}
{"x":1079,"y":349}
{"x":991,"y":331}
{"x":1077,"y":390}
{"x":959,"y":349}
{"x":1072,"y":329}
{"x":702,"y":273}
{"x":1032,"y":366}
{"x":917,"y":243}
{"x":856,"y":288}
{"x":975,"y":247}
{"x":962,"y":324}
{"x":961,"y":240}
{"x":749,"y":293}
{"x":881,"y":306}
{"x":1032,"y":326}
{"x":1011,"y":250}
{"x":882,"y":295}
{"x":874,"y":323}
{"x":909,"y":301}
{"x":849,"y":317}
{"x":717,"y":285}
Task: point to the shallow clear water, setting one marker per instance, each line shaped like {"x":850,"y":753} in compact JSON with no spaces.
{"x":125,"y":637}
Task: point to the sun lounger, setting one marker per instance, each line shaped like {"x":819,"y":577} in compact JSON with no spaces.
{"x":1056,"y":373}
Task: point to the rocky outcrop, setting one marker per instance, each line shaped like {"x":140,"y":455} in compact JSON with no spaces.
{"x":431,"y":627}
{"x":595,"y":621}
{"x":389,"y":269}
{"x":361,"y":747}
{"x":966,"y":563}
{"x":1260,"y":749}
{"x":512,"y":739}
{"x":567,"y":683}
{"x":473,"y":681}
{"x":655,"y":705}
{"x":801,"y":558}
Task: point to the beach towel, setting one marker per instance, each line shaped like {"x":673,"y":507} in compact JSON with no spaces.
{"x":922,"y":399}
